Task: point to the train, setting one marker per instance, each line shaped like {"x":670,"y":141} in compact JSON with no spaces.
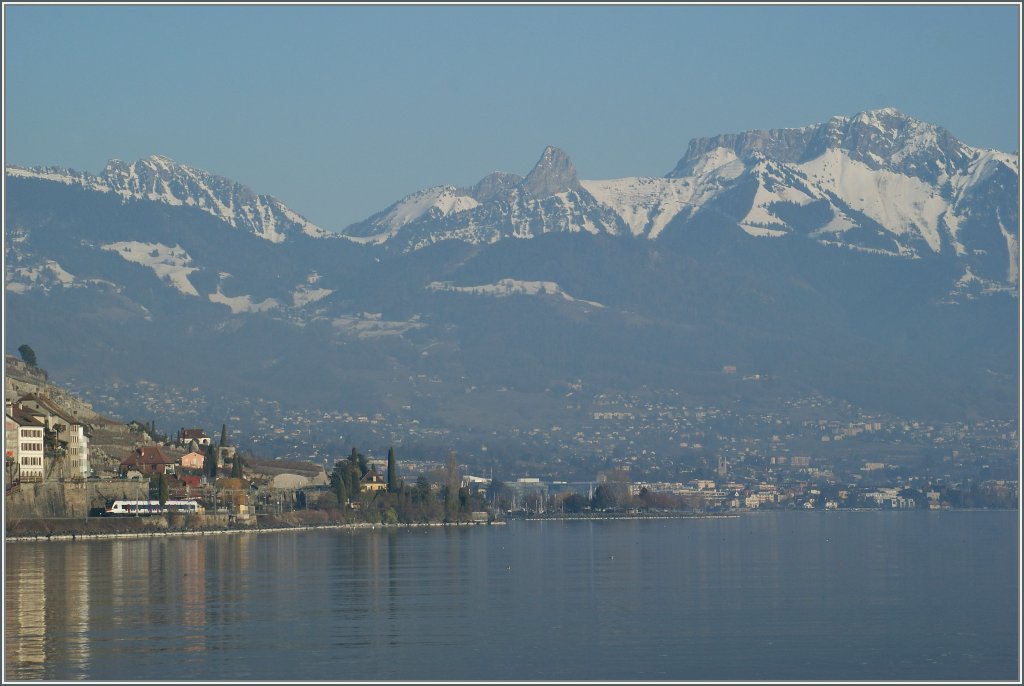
{"x":117,"y":508}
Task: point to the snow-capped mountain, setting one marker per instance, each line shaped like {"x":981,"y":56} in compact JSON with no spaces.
{"x":157,"y":178}
{"x":878,"y":182}
{"x":502,"y":205}
{"x":857,"y":257}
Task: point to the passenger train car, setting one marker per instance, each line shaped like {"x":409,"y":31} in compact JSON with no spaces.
{"x":149,"y":507}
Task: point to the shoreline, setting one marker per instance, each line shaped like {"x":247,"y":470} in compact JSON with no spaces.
{"x":42,"y":538}
{"x":607,"y":518}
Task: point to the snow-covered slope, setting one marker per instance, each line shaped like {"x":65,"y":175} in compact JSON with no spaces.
{"x":159,"y":179}
{"x":549,"y":199}
{"x":170,"y":264}
{"x":878,"y":182}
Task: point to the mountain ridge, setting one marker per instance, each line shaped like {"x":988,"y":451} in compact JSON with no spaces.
{"x":825,"y":274}
{"x":879,"y":182}
{"x":161,"y":179}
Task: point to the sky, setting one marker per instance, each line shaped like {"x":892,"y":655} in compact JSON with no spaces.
{"x":341,"y":110}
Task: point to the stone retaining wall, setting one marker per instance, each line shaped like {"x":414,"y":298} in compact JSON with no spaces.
{"x":69,"y":499}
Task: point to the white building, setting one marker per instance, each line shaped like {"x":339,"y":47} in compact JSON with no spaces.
{"x":26,"y":435}
{"x":11,"y":466}
{"x":70,"y":434}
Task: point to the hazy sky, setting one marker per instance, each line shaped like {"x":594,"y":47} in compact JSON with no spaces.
{"x":341,"y":110}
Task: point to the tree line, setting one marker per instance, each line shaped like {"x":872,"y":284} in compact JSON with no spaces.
{"x":399,"y":502}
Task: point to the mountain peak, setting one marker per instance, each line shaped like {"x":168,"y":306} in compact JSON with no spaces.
{"x":887,"y":138}
{"x":161,"y":161}
{"x":883,"y":138}
{"x":553,"y":173}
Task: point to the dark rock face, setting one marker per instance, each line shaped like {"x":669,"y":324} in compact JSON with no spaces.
{"x":880,"y":139}
{"x":495,"y":186}
{"x":553,"y":173}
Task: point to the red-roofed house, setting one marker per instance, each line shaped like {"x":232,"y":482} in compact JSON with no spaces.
{"x":147,"y":459}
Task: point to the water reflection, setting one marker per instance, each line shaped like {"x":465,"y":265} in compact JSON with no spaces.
{"x":25,"y":616}
{"x":47,"y":602}
{"x":767,"y":596}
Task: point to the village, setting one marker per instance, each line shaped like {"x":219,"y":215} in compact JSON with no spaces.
{"x":64,"y":461}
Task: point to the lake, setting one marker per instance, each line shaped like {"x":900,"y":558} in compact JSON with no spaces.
{"x":763,"y":596}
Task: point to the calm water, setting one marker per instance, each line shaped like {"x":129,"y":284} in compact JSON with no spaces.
{"x":766,"y":596}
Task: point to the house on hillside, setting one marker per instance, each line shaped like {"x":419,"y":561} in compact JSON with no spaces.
{"x":192,"y":460}
{"x":187,"y":436}
{"x":372,"y":482}
{"x":146,"y":460}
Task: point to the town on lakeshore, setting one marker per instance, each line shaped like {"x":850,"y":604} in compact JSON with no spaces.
{"x":69,"y":469}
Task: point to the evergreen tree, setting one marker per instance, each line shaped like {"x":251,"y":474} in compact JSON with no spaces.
{"x":421,"y":491}
{"x":27,"y":354}
{"x":341,"y":483}
{"x":236,"y":467}
{"x":341,"y":492}
{"x":392,"y":474}
{"x":358,"y":464}
{"x":210,"y":463}
{"x":162,"y":489}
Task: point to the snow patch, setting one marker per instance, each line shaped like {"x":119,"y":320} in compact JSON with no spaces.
{"x":838,"y":224}
{"x":242,"y":303}
{"x":24,"y":279}
{"x":303,"y":296}
{"x":373,"y":325}
{"x":508,"y":287}
{"x":170,"y":264}
{"x":1013,"y":273}
{"x":761,"y":231}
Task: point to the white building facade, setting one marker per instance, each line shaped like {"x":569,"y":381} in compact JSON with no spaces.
{"x":27,"y":440}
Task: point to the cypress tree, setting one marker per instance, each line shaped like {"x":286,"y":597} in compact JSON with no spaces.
{"x":162,"y":489}
{"x":341,"y":492}
{"x":392,"y":473}
{"x":210,"y":463}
